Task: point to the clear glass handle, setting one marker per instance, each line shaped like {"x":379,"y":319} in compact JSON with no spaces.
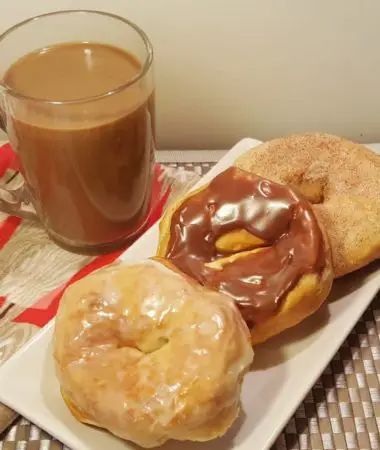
{"x":14,"y":197}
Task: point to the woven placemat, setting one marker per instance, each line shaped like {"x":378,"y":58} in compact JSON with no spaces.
{"x":342,"y":411}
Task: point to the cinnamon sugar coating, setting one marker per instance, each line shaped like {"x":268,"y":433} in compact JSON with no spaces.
{"x":341,"y":179}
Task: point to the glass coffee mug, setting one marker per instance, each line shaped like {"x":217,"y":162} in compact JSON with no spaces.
{"x":86,"y":148}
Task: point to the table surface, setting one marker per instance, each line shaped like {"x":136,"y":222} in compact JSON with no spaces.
{"x":342,"y":411}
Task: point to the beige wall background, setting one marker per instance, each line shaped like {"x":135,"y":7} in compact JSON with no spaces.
{"x":226,"y":69}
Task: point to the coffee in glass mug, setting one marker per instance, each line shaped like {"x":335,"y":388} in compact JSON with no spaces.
{"x":79,"y":112}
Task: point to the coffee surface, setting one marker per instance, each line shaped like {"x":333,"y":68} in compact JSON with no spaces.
{"x":72,"y":71}
{"x":88,"y":164}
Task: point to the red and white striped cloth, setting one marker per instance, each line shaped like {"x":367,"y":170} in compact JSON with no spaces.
{"x":34,"y":271}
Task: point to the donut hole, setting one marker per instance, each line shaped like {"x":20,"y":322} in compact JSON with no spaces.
{"x":250,"y":324}
{"x":219,"y":264}
{"x":237,"y":241}
{"x":312,"y":190}
{"x":311,"y":183}
{"x":152,"y":344}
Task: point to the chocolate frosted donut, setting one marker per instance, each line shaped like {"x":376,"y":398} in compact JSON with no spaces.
{"x":254,"y":240}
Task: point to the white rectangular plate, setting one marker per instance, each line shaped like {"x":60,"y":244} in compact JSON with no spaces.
{"x":284,"y":369}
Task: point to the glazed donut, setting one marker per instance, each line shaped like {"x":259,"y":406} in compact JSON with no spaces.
{"x":258,"y":242}
{"x":150,"y":355}
{"x":340,"y":178}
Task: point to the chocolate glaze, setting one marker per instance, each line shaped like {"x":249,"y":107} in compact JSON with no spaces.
{"x":236,"y":199}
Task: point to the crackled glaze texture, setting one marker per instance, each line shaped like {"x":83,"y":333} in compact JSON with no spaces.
{"x":150,"y":355}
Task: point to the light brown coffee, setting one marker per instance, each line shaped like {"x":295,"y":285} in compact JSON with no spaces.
{"x":88,"y":163}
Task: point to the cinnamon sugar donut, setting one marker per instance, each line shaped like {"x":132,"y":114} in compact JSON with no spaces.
{"x":341,"y":179}
{"x":255,"y":240}
{"x":150,"y":355}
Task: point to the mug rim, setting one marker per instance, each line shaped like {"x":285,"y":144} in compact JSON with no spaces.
{"x":145,"y":67}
